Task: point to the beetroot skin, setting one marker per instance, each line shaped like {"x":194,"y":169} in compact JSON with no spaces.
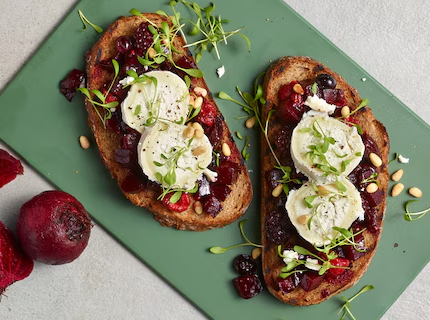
{"x":53,"y":227}
{"x":9,"y":167}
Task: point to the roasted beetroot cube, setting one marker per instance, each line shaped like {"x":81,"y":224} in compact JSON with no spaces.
{"x":114,"y":123}
{"x":286,"y":90}
{"x":248,"y":285}
{"x":351,"y":253}
{"x":245,"y":264}
{"x":220,"y":191}
{"x":204,"y":187}
{"x":334,"y":96}
{"x":374,"y":198}
{"x":211,"y":205}
{"x":289,"y":284}
{"x":130,"y":140}
{"x":290,"y":111}
{"x":132,"y":183}
{"x":74,"y":80}
{"x":311,"y":280}
{"x":226,"y":175}
{"x":371,"y":218}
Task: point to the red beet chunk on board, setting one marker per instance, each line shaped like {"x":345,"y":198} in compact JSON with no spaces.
{"x":9,"y":168}
{"x":15,"y":265}
{"x":248,"y":285}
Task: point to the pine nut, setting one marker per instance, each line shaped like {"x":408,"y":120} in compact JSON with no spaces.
{"x":226,"y":150}
{"x":192,"y":100}
{"x":198,"y":102}
{"x":85,"y":143}
{"x":199,"y":134}
{"x":323,"y":191}
{"x":198,"y":207}
{"x":197,"y":126}
{"x":397,"y":189}
{"x":277,"y":191}
{"x":188,"y":132}
{"x":374,"y":158}
{"x":396,"y":176}
{"x":345,"y":111}
{"x":303,"y":219}
{"x":256,"y":252}
{"x":372,"y":187}
{"x":199,"y":151}
{"x":250,"y":123}
{"x":151,"y":53}
{"x":165,"y":41}
{"x":415,"y":192}
{"x":200,"y":91}
{"x":297,"y":88}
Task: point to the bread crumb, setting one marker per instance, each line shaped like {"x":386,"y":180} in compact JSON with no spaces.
{"x":220,"y":71}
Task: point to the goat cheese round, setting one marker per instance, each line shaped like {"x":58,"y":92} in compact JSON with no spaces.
{"x":169,"y":158}
{"x":323,"y":148}
{"x":315,"y":213}
{"x":162,"y":96}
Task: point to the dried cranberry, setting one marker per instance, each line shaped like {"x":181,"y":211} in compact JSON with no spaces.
{"x":71,"y":83}
{"x":342,"y":263}
{"x":181,"y":205}
{"x":211,"y":205}
{"x":276,"y":225}
{"x":326,"y":81}
{"x":245,"y":264}
{"x":248,"y":285}
{"x":311,"y":280}
{"x":143,"y":39}
{"x":9,"y":167}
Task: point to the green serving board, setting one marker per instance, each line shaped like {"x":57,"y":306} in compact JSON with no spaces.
{"x":40,"y":125}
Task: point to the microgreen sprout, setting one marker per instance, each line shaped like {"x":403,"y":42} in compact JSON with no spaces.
{"x":209,"y":26}
{"x":347,"y":305}
{"x":363,"y":104}
{"x":85,"y":21}
{"x":412,"y":216}
{"x":396,"y":157}
{"x":371,"y":178}
{"x":245,"y":153}
{"x":102,"y":97}
{"x":219,"y":250}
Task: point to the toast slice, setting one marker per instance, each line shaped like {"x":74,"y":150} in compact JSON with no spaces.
{"x":233,"y":181}
{"x":278,"y":233}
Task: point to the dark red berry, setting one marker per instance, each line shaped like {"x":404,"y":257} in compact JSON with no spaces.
{"x":277,"y":227}
{"x":143,"y":39}
{"x":123,"y":44}
{"x":245,"y":264}
{"x":74,"y":80}
{"x":342,"y":263}
{"x":211,"y":205}
{"x":181,"y":205}
{"x":326,"y":81}
{"x":248,"y":285}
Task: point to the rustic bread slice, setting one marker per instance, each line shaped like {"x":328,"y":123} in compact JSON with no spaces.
{"x":241,"y":191}
{"x":305,"y":70}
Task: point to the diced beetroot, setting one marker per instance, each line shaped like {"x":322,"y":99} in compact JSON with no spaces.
{"x":289,"y":283}
{"x":351,"y":253}
{"x":207,"y":114}
{"x":220,"y":191}
{"x":311,"y":280}
{"x":371,"y":214}
{"x":114,"y":123}
{"x":370,"y":146}
{"x":245,"y":264}
{"x":290,"y":112}
{"x":276,"y":225}
{"x":204,"y":188}
{"x":181,"y":205}
{"x":215,"y":132}
{"x":211,"y":205}
{"x":74,"y":80}
{"x":286,"y":90}
{"x":132,"y":183}
{"x":226,"y":175}
{"x":273,"y":177}
{"x":334,"y":96}
{"x":9,"y":167}
{"x":130,"y":140}
{"x":374,"y":198}
{"x":248,"y":285}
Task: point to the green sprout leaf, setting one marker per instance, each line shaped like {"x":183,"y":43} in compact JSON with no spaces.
{"x":412,"y":216}
{"x":347,"y":305}
{"x":85,"y":21}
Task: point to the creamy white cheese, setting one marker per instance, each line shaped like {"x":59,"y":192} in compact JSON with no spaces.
{"x":290,"y":255}
{"x":147,"y":103}
{"x":163,"y":149}
{"x":318,"y":104}
{"x":332,"y":209}
{"x":344,"y":154}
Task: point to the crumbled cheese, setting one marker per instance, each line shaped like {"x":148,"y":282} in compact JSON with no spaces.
{"x":126,"y":81}
{"x":220,"y":71}
{"x":312,"y":264}
{"x":402,"y":159}
{"x":289,"y":255}
{"x":319,"y":104}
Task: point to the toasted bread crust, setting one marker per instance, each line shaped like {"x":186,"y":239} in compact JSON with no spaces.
{"x":241,"y":191}
{"x":302,"y":69}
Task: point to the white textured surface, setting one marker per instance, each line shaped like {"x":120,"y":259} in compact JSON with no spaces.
{"x":388,"y":38}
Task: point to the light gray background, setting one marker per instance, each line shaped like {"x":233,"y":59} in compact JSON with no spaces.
{"x":388,"y":38}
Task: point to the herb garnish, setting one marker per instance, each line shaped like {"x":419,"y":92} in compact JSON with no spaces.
{"x":209,"y":26}
{"x":346,"y":306}
{"x":412,"y":216}
{"x":219,"y":250}
{"x":102,"y":97}
{"x":245,"y":153}
{"x":85,"y":21}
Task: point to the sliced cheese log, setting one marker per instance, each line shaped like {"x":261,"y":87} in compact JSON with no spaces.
{"x":344,"y":152}
{"x":326,"y":208}
{"x":172,"y":160}
{"x":165,"y":98}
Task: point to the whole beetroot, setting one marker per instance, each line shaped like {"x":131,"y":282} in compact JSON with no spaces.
{"x":53,"y":227}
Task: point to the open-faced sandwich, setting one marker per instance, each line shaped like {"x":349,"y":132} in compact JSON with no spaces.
{"x":158,"y":129}
{"x":324,"y":182}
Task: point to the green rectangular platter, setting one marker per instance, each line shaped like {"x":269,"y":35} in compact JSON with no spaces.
{"x":40,"y":125}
